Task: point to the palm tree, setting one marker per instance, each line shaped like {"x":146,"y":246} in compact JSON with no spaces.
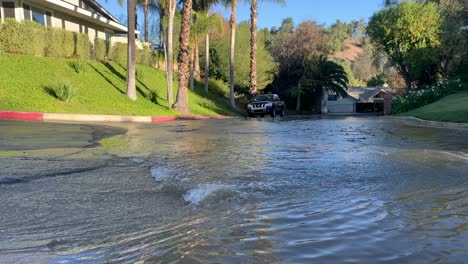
{"x":232,"y":23}
{"x":181,"y":104}
{"x":167,"y":9}
{"x":204,"y":23}
{"x":322,"y":75}
{"x":147,"y":6}
{"x":131,"y":50}
{"x":209,"y":23}
{"x":253,"y":44}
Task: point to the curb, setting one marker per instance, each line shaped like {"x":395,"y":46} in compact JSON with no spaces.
{"x":414,"y":121}
{"x":53,"y":117}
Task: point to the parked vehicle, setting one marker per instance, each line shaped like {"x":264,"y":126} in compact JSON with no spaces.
{"x":266,"y":104}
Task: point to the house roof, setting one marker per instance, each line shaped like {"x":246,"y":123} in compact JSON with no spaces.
{"x":97,"y":15}
{"x":365,"y":94}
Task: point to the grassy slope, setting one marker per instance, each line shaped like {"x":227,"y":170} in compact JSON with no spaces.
{"x":100,"y":89}
{"x":453,"y":108}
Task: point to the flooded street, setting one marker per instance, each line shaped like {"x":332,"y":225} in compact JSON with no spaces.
{"x":338,"y":190}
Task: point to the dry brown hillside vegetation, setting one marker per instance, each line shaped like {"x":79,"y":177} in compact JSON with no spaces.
{"x":354,"y":49}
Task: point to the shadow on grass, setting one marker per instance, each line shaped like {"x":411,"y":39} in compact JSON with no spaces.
{"x":107,"y":79}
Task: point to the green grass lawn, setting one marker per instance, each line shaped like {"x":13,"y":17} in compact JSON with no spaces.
{"x":100,"y":89}
{"x":452,"y":108}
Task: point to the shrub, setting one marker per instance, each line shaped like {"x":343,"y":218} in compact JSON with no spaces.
{"x":78,"y":66}
{"x":24,"y":37}
{"x":83,"y":46}
{"x":206,"y":103}
{"x":60,"y":43}
{"x":118,"y":53}
{"x":144,"y":56}
{"x":152,"y":96}
{"x":219,"y":88}
{"x":424,"y":96}
{"x":100,"y":47}
{"x":62,"y":90}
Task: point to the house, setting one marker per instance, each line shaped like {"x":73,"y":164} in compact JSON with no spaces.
{"x":83,"y":16}
{"x":360,"y":100}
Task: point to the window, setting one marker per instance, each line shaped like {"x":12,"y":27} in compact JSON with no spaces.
{"x":27,"y":11}
{"x":38,"y":16}
{"x":332,"y":97}
{"x":8,"y":9}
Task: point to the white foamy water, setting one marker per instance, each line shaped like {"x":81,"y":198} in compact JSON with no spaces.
{"x":205,"y":191}
{"x":160,"y":173}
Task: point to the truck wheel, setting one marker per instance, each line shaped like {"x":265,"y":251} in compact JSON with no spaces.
{"x":282,"y":112}
{"x":273,"y":112}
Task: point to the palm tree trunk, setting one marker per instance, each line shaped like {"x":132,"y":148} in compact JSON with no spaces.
{"x":146,"y":14}
{"x":253,"y":46}
{"x":169,"y":66}
{"x":232,"y":54}
{"x":197,"y":60}
{"x":298,"y":103}
{"x":181,"y":104}
{"x":207,"y":61}
{"x":131,"y":87}
{"x":192,"y":69}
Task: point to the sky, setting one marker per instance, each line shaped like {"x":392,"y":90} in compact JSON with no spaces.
{"x":271,"y":14}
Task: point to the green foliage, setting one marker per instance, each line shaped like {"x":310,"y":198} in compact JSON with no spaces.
{"x":377,"y":80}
{"x":60,"y":43}
{"x":24,"y":37}
{"x":322,"y":73}
{"x":83,"y":46}
{"x":266,"y":65}
{"x":346,"y":65}
{"x":78,"y":66}
{"x":62,"y":90}
{"x":336,"y":34}
{"x":406,"y":32}
{"x":118,"y":53}
{"x":144,"y":56}
{"x":425,"y":95}
{"x":206,"y":103}
{"x":452,"y":108}
{"x":100,"y":47}
{"x":101,"y":88}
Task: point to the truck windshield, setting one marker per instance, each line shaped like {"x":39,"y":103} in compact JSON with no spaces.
{"x":263,"y":98}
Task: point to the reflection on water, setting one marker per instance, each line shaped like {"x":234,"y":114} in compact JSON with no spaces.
{"x":342,"y":190}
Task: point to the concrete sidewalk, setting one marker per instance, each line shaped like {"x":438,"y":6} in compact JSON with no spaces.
{"x":37,"y":116}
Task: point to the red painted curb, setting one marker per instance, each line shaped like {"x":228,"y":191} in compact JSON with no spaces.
{"x":35,"y":116}
{"x":162,"y":119}
{"x":22,"y":115}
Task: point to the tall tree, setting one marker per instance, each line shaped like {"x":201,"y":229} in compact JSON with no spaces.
{"x":170,"y":7}
{"x":322,"y":75}
{"x":253,"y":46}
{"x":232,"y":23}
{"x":182,"y":104}
{"x":405,"y":32}
{"x":209,"y":23}
{"x":147,"y":6}
{"x":131,"y":51}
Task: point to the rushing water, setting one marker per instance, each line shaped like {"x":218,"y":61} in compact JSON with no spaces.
{"x":344,"y":190}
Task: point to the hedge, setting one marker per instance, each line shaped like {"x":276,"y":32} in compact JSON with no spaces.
{"x":100,"y":48}
{"x":28,"y":37}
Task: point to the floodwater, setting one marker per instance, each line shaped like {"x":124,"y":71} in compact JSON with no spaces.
{"x":338,"y":190}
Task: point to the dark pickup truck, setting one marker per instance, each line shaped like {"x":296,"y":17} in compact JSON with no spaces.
{"x":266,"y":104}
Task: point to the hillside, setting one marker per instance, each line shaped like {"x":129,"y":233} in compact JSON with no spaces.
{"x":453,"y":108}
{"x":100,"y":88}
{"x":351,"y":53}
